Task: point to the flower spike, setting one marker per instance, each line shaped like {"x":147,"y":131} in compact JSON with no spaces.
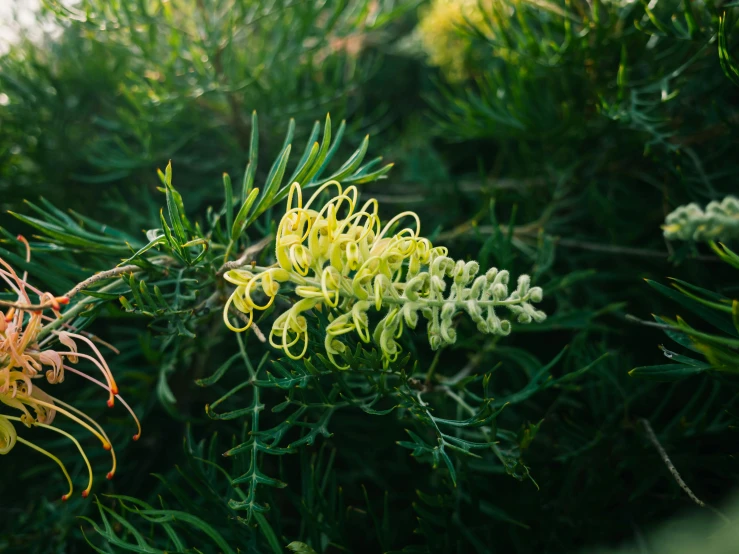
{"x":347,"y":261}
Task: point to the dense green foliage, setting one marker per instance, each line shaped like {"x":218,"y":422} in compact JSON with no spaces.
{"x":556,"y":139}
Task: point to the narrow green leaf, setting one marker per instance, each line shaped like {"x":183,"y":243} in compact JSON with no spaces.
{"x":712,"y":317}
{"x":369,"y":177}
{"x":218,"y":373}
{"x":168,"y":233}
{"x":290,"y":133}
{"x":251,"y":166}
{"x":254,"y":140}
{"x":268,"y":533}
{"x":157,"y":241}
{"x":329,"y":156}
{"x":228,"y":191}
{"x":308,"y":156}
{"x":56,"y":232}
{"x":354,"y":161}
{"x":668,"y":372}
{"x":240,"y":222}
{"x":273,"y":182}
{"x":303,"y":169}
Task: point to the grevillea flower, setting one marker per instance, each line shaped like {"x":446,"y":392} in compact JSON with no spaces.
{"x":445,"y":36}
{"x":29,"y":352}
{"x":343,"y":261}
{"x":720,"y":220}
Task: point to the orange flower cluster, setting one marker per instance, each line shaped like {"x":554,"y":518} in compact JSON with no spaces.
{"x":29,"y":354}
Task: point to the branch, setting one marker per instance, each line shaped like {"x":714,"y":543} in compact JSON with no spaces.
{"x":74,"y":311}
{"x":670,"y":466}
{"x":532,"y":230}
{"x":255,"y":248}
{"x":672,"y":469}
{"x":103,"y":275}
{"x":55,"y":301}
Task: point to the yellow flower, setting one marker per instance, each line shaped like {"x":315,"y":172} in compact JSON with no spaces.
{"x":27,"y":355}
{"x":445,"y":35}
{"x":343,"y":261}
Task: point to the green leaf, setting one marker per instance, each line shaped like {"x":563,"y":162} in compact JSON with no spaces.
{"x":155,"y":242}
{"x":731,"y":69}
{"x":669,"y":372}
{"x":228,"y":191}
{"x":715,"y":319}
{"x":59,"y":233}
{"x":173,"y":207}
{"x":271,"y":186}
{"x":240,"y":222}
{"x":174,"y":245}
{"x":300,"y":548}
{"x":323,"y":151}
{"x":369,"y":177}
{"x":268,"y":533}
{"x":332,"y":151}
{"x":218,"y":373}
{"x":725,"y":253}
{"x":677,"y":336}
{"x":354,"y":161}
{"x":304,"y":168}
{"x":309,"y":155}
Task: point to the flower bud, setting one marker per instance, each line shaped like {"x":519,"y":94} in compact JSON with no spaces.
{"x":524,"y":282}
{"x":447,"y":311}
{"x":500,"y":291}
{"x":536,"y":294}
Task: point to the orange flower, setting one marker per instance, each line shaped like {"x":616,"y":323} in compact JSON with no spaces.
{"x":26,"y":358}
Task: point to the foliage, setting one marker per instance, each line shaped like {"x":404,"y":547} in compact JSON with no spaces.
{"x":547,"y":139}
{"x":129,"y":84}
{"x":713,"y":309}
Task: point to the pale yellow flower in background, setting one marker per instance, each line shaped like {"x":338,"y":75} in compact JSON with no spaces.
{"x":445,"y":35}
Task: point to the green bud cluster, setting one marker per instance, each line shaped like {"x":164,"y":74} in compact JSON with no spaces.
{"x":720,"y":220}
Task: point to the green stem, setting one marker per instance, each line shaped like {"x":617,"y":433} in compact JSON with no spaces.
{"x":228,"y":251}
{"x":485,"y":430}
{"x":460,"y":305}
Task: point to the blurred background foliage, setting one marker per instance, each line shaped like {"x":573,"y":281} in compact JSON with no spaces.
{"x":544,"y":136}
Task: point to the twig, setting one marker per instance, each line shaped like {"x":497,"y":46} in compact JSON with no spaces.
{"x":675,"y":474}
{"x":670,"y":466}
{"x":474,"y":361}
{"x":469,"y":226}
{"x":533,"y":230}
{"x":626,"y":250}
{"x":244,"y":258}
{"x":74,"y":290}
{"x":102,"y":275}
{"x":74,"y":311}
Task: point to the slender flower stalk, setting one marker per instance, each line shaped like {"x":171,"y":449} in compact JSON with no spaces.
{"x":342,"y":261}
{"x":26,"y":358}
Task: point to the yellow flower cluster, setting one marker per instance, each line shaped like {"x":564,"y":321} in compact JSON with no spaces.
{"x":445,"y":35}
{"x":343,"y":261}
{"x":27,"y":355}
